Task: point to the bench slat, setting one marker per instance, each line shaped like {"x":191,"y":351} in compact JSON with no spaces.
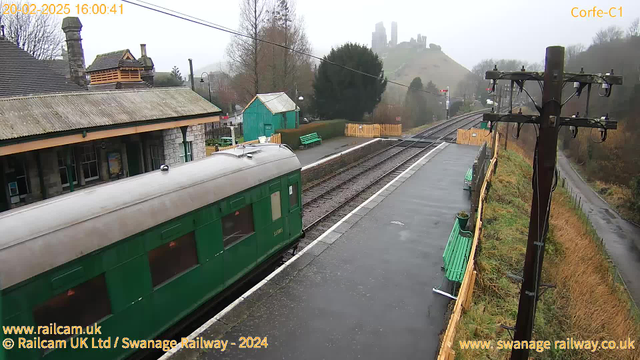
{"x":456,"y":253}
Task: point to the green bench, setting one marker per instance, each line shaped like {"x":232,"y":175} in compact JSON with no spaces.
{"x":456,"y":253}
{"x":467,"y":179}
{"x":310,"y":139}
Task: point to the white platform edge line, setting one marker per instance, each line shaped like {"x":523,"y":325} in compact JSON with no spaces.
{"x":338,"y":154}
{"x":218,"y":316}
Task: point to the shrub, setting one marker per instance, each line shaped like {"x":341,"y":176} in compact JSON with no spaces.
{"x":326,"y":129}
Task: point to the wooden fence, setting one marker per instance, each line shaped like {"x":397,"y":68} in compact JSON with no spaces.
{"x":274,"y":139}
{"x":473,"y":136}
{"x":372,"y":130}
{"x":212,"y":132}
{"x":466,"y":289}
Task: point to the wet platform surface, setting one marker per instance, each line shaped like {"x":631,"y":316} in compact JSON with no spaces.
{"x":328,"y":148}
{"x":363,"y":290}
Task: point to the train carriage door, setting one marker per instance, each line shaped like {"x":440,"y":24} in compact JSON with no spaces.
{"x":294,"y":218}
{"x":277,"y":237}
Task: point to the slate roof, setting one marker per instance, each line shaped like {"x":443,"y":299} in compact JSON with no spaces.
{"x":59,"y":66}
{"x":22,"y":74}
{"x":45,"y":114}
{"x":113,"y":60}
{"x":277,"y":102}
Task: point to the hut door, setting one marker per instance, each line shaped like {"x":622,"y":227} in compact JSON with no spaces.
{"x":268,"y":129}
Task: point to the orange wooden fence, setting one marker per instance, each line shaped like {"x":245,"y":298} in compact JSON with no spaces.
{"x":372,"y":130}
{"x":466,"y":289}
{"x":473,"y":136}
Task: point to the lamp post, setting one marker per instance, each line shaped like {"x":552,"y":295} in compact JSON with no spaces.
{"x":208,"y":82}
{"x":300,"y":98}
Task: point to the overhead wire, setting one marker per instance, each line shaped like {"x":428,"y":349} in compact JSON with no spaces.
{"x":209,"y":24}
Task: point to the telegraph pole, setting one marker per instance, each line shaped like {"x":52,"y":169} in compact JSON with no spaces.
{"x":544,"y":165}
{"x":549,"y":122}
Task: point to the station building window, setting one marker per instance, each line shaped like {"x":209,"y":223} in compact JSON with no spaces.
{"x":62,"y":168}
{"x":189,"y":156}
{"x":157,"y":156}
{"x":89,"y":162}
{"x":82,"y":305}
{"x":276,"y":209}
{"x":237,"y":225}
{"x":173,"y":258}
{"x":16,"y":177}
{"x":293,"y":195}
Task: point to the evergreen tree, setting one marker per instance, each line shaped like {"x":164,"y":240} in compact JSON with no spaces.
{"x":415,"y":104}
{"x":175,"y":73}
{"x":343,"y":93}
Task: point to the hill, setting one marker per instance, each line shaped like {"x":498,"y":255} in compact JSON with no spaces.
{"x":404,"y":62}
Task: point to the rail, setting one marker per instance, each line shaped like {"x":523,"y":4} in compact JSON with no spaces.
{"x":377,"y":180}
{"x":408,"y":143}
{"x":466,"y":289}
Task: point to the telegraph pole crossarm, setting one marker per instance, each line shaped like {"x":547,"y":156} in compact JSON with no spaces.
{"x":562,"y":120}
{"x":548,"y":123}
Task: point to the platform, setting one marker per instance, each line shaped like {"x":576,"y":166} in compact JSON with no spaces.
{"x":363,"y":289}
{"x":328,"y":148}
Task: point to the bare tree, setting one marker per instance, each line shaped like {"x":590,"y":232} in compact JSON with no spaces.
{"x":39,"y":35}
{"x":612,"y":33}
{"x":634,"y":28}
{"x":287,"y":66}
{"x":244,"y":53}
{"x":572,"y":51}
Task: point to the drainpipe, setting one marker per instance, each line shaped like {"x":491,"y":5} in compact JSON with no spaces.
{"x":43,"y":189}
{"x":184,"y":142}
{"x":233,"y":135}
{"x":5,"y":193}
{"x":69,"y":153}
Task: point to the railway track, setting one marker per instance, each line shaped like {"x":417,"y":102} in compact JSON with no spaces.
{"x":327,"y":201}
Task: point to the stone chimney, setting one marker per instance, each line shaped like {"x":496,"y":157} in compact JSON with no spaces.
{"x":148,"y":71}
{"x":72,"y":27}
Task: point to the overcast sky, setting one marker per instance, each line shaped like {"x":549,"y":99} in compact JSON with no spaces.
{"x":468,"y":31}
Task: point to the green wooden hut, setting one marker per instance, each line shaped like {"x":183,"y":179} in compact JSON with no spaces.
{"x":267,"y":113}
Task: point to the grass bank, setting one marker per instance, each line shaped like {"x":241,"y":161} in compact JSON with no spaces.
{"x":588,"y":304}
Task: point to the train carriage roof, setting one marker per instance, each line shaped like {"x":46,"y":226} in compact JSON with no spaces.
{"x":41,"y":236}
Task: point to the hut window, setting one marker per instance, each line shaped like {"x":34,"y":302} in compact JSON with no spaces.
{"x":173,"y":258}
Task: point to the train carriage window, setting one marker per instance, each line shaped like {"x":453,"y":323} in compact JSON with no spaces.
{"x":82,"y":306}
{"x":237,"y":225}
{"x":173,"y":258}
{"x":276,"y":209}
{"x":293,"y":195}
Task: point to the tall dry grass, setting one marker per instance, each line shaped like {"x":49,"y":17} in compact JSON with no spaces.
{"x":598,"y":307}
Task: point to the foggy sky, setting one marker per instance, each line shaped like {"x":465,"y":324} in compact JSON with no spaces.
{"x":468,"y":31}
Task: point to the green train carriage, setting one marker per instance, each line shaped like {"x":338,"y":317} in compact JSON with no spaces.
{"x":137,"y":255}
